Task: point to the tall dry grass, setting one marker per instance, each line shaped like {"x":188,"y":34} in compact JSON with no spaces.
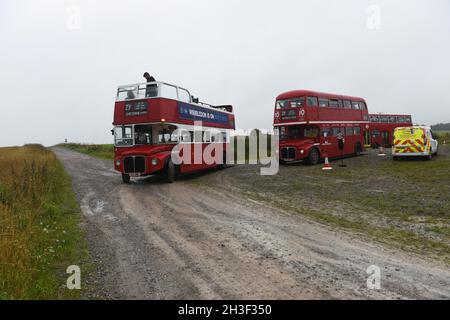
{"x":38,"y":224}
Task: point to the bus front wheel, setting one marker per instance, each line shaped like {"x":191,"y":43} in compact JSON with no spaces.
{"x":125,"y":178}
{"x":314,"y":157}
{"x":171,"y":171}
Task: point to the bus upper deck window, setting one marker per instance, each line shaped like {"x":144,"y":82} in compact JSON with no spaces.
{"x":323,"y":103}
{"x":313,"y":102}
{"x":355,"y":105}
{"x":281,"y":104}
{"x":334,"y":103}
{"x":347,"y":104}
{"x":298,"y":102}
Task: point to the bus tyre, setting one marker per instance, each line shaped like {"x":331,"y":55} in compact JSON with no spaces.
{"x":314,"y":156}
{"x":125,"y":178}
{"x":224,"y":159}
{"x":171,"y":171}
{"x":358,"y":149}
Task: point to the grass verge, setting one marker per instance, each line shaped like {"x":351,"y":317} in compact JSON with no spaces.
{"x":39,"y":225}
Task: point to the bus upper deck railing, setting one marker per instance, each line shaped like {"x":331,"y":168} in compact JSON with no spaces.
{"x":153,"y":90}
{"x":161,"y":90}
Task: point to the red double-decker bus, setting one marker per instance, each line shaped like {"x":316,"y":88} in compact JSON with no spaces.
{"x":382,"y":126}
{"x":152,"y":119}
{"x":310,"y":122}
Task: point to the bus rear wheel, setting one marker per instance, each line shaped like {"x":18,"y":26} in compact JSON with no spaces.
{"x":171,"y":172}
{"x":358,"y":149}
{"x":125,"y":178}
{"x":314,"y":157}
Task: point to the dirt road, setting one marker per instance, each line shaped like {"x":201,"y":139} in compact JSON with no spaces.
{"x":153,"y":240}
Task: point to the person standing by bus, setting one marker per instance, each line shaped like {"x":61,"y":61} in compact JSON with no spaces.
{"x":152,"y":89}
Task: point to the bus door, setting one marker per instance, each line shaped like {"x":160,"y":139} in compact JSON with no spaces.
{"x":367,"y":140}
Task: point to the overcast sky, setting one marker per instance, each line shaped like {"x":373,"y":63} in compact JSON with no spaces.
{"x":58,"y":77}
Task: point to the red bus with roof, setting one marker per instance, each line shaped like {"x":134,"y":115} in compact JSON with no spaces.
{"x":151,"y":119}
{"x":382,"y":127}
{"x":309,"y":123}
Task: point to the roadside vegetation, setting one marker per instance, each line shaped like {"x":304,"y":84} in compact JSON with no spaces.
{"x":104,"y":151}
{"x":39,"y":225}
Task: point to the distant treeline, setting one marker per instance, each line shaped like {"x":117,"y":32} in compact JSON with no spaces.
{"x":441,"y":127}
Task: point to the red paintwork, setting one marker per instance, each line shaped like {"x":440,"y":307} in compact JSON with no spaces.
{"x":159,"y":109}
{"x":323,"y":117}
{"x":386,"y":129}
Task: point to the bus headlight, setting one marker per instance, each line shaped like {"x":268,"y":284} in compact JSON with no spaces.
{"x":302,"y":151}
{"x":118,"y":163}
{"x":155,"y":161}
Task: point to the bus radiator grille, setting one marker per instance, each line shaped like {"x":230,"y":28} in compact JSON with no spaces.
{"x":134,"y":164}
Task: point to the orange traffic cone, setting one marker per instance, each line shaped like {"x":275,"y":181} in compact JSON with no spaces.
{"x":327,"y":165}
{"x":381,"y":152}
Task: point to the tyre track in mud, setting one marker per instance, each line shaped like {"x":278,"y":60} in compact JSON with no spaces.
{"x":151,"y":240}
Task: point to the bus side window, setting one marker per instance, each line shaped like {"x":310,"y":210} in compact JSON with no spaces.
{"x":349,"y":131}
{"x":355,"y":105}
{"x":362,"y":106}
{"x":313,"y":102}
{"x":357,"y":131}
{"x":323,"y":103}
{"x":325,"y":132}
{"x":334,"y":103}
{"x":347,"y":104}
{"x":335,"y":131}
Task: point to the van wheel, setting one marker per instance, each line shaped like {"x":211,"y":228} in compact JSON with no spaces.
{"x":125,"y":178}
{"x":314,"y":157}
{"x":171,"y":171}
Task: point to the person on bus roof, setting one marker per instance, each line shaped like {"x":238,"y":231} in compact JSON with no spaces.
{"x":152,"y":89}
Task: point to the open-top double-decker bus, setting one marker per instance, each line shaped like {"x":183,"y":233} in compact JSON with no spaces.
{"x":310,"y":122}
{"x":151,"y":119}
{"x":382,"y":126}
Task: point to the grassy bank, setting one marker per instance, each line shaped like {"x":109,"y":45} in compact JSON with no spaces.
{"x":104,"y":151}
{"x":39,"y":225}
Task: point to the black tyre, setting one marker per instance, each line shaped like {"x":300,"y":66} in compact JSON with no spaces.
{"x":314,"y":156}
{"x":224,"y":164}
{"x":358,"y":149}
{"x":171,"y":171}
{"x":125,"y":178}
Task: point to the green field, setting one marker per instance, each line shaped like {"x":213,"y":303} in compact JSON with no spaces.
{"x":39,"y":225}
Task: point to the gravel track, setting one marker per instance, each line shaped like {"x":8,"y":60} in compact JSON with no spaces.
{"x":152,"y":240}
